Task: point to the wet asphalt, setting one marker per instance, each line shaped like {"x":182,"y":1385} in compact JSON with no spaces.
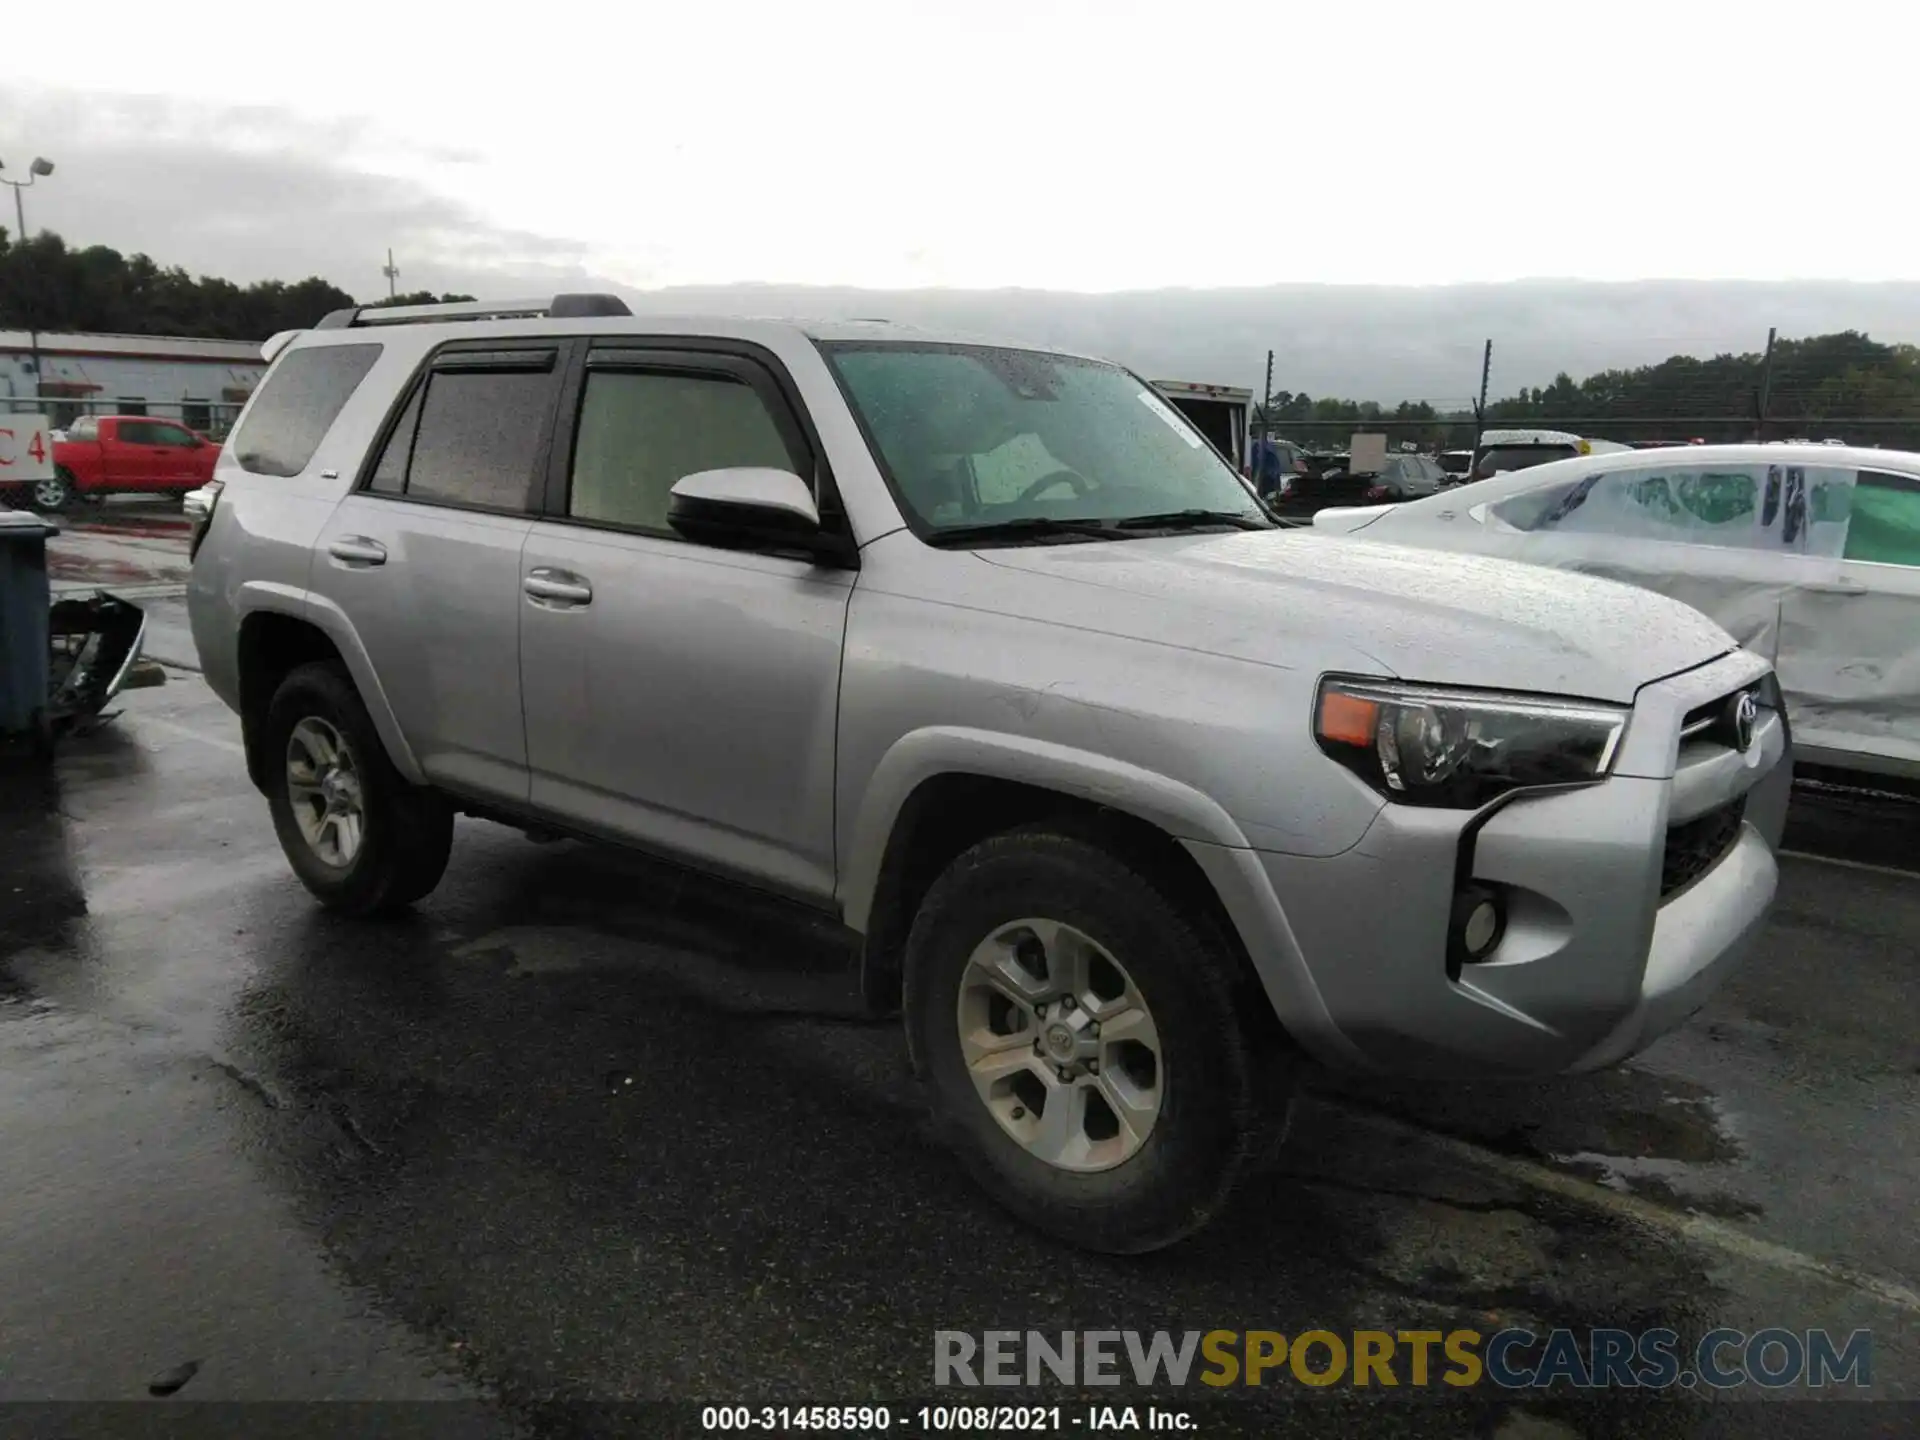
{"x":585,"y":1130}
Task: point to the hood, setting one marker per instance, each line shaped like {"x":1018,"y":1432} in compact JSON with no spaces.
{"x":1424,"y":615}
{"x":1345,"y":519}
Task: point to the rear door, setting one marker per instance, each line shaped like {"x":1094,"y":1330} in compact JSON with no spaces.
{"x":424,"y":557}
{"x":681,"y":696}
{"x":1855,"y":637}
{"x":126,"y":454}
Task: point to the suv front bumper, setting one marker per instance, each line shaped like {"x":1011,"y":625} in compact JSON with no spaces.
{"x":1627,"y":903}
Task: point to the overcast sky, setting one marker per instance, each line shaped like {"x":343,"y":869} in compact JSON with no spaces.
{"x":1040,"y":143}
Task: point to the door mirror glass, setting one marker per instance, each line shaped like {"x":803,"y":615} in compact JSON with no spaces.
{"x":744,"y":501}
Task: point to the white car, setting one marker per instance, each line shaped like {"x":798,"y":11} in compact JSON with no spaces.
{"x":1808,"y":553}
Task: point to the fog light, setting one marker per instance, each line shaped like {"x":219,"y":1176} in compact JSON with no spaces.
{"x":1479,"y":920}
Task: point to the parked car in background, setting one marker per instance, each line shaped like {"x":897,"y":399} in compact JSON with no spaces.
{"x":125,"y":454}
{"x":983,"y":654}
{"x":1274,"y":464}
{"x":1503,"y":450}
{"x":1399,"y":478}
{"x":1807,"y":553}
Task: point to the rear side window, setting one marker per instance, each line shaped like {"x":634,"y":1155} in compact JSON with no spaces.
{"x":1884,"y":526}
{"x":473,"y":434}
{"x":298,"y":402}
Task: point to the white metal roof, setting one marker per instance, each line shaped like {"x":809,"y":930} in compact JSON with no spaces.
{"x":134,"y":347}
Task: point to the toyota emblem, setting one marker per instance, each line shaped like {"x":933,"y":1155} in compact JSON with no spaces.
{"x":1746,"y":711}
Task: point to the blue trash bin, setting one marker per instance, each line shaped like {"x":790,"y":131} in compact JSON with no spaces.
{"x":25,"y":600}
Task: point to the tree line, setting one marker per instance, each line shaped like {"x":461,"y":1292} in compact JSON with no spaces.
{"x":1809,"y":387}
{"x":47,"y":285}
{"x":1804,"y":385}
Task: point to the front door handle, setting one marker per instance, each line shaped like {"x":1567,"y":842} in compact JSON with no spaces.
{"x":357,"y":550}
{"x":559,"y":588}
{"x":1838,"y":587}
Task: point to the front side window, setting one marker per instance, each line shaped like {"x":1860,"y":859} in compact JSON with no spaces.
{"x":1703,"y":506}
{"x":641,"y":432}
{"x":303,"y":394}
{"x":975,"y":435}
{"x":163,"y":434}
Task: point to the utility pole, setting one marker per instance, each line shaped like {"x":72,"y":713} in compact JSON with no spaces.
{"x":1480,"y":405}
{"x":40,"y":167}
{"x":1766,"y":389}
{"x":1266,"y":399}
{"x":392,"y":272}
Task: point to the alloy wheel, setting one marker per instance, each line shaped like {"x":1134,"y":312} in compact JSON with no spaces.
{"x":323,"y":784}
{"x":1060,"y":1045}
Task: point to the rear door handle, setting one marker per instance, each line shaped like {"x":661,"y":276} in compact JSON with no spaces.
{"x":561,"y":589}
{"x":357,"y":550}
{"x":1838,"y":587}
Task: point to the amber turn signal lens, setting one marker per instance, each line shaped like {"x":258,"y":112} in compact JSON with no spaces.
{"x":1347,"y":719}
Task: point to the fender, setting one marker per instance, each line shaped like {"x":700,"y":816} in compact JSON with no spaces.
{"x":1189,"y":816}
{"x":82,"y":460}
{"x":327,"y":617}
{"x":1169,"y":805}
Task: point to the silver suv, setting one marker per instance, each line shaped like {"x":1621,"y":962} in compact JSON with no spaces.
{"x":1132,"y":797}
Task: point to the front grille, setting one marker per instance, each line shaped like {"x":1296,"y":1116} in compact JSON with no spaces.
{"x":1714,"y":720}
{"x":1697,"y":846}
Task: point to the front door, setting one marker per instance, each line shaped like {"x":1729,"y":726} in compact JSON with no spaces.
{"x":126,"y":454}
{"x":1733,"y":540}
{"x":679,"y":696}
{"x":423,"y":558}
{"x":173,"y":451}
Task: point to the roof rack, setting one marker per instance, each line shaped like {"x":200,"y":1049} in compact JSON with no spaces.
{"x":560,"y":307}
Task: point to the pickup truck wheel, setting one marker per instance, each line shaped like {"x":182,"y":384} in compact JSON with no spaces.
{"x":1080,"y":1042}
{"x":359,"y":837}
{"x":54,"y":493}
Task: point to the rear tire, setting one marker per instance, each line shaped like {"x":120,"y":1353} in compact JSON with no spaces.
{"x":362,"y":839}
{"x":55,"y":493}
{"x":1202,"y":1109}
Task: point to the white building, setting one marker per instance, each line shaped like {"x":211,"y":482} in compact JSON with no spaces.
{"x":202,"y":383}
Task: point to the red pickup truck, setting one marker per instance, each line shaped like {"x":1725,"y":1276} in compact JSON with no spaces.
{"x":118,"y":454}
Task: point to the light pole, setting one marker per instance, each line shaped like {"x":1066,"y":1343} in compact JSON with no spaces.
{"x":40,"y":166}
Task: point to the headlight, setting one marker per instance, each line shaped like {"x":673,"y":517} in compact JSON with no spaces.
{"x":1461,"y":748}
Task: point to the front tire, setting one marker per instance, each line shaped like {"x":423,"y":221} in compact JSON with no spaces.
{"x":1043,"y":971}
{"x":359,"y":837}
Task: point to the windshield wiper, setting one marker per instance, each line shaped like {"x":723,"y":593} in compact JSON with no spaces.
{"x":1193,"y":520}
{"x":1032,"y":527}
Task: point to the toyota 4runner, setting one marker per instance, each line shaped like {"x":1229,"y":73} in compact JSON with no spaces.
{"x":1131,"y":796}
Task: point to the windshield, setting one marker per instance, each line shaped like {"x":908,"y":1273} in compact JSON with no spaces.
{"x":976,"y":435}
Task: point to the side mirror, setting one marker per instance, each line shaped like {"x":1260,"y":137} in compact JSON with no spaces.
{"x":746,"y":505}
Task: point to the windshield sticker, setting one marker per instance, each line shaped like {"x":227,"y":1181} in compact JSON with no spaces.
{"x":1171,"y":416}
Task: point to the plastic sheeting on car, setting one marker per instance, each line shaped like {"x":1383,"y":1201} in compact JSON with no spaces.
{"x":1816,"y":567}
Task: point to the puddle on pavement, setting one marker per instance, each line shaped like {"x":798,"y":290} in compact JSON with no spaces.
{"x":1631,"y":1129}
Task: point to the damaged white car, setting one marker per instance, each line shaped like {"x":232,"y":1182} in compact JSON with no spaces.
{"x":1809,"y":554}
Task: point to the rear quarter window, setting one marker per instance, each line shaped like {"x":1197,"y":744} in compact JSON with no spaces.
{"x":298,"y":402}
